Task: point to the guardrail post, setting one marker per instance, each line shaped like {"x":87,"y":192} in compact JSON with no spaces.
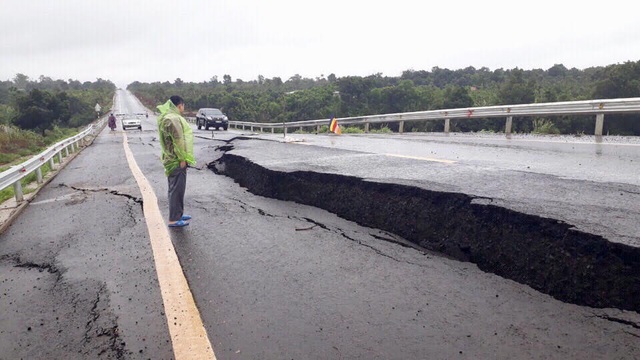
{"x":39,"y":175}
{"x":447,"y":125}
{"x":51,"y":163}
{"x":17,"y":190}
{"x":261,"y":129}
{"x":273,"y":130}
{"x":366,"y":128}
{"x":66,"y":151}
{"x":508,"y":125}
{"x":60,"y":157}
{"x":251,"y":128}
{"x":301,"y":129}
{"x":317,"y":129}
{"x":401,"y":129}
{"x":599,"y":124}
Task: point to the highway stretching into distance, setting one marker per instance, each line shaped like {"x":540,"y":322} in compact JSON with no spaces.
{"x":318,"y":246}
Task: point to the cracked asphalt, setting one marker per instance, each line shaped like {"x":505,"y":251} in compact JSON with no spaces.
{"x":272,"y":279}
{"x":91,"y":290}
{"x":560,"y":260}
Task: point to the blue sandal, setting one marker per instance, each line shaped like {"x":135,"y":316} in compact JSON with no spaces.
{"x":185,"y":217}
{"x":179,"y":223}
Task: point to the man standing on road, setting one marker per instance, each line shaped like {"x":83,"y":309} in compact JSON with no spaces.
{"x":176,"y":140}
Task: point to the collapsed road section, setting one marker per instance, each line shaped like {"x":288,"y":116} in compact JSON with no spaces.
{"x":547,"y":254}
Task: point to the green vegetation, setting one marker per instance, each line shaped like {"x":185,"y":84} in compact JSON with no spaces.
{"x":16,"y":143}
{"x":8,"y":193}
{"x":36,"y":114}
{"x":383,"y":130}
{"x":298,"y":98}
{"x":355,"y":129}
{"x":352,"y":130}
{"x":544,"y":126}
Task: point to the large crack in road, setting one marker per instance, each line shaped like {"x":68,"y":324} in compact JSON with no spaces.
{"x":65,"y":302}
{"x":549,"y":255}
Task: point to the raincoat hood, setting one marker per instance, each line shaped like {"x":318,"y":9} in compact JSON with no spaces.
{"x":176,"y":138}
{"x":168,"y":107}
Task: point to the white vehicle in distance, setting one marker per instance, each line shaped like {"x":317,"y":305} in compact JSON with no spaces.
{"x":131,"y":121}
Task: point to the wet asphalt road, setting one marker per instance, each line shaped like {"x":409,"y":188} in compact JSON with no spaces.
{"x":278,"y":280}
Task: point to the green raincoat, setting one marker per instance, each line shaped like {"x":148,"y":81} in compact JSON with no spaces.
{"x":176,"y":138}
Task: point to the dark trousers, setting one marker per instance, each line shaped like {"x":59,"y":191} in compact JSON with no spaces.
{"x":177,"y":185}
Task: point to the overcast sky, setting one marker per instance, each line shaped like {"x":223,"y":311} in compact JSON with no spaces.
{"x":128,"y":40}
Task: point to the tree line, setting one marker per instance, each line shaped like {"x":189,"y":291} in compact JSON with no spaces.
{"x":298,"y":98}
{"x":43,"y":104}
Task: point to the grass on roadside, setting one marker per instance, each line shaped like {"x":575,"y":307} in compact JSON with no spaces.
{"x":544,"y":126}
{"x":17,"y":145}
{"x":352,"y":130}
{"x":355,"y":129}
{"x":383,"y":130}
{"x":8,"y":192}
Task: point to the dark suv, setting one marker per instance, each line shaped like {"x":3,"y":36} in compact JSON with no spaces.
{"x":210,"y":117}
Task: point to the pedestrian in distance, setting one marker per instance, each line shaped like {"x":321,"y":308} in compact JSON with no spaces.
{"x":112,"y":122}
{"x":176,"y":141}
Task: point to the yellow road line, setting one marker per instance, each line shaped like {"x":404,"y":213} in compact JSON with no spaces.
{"x":422,"y":158}
{"x":188,"y":335}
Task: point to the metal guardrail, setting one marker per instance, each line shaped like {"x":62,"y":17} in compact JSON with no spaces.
{"x":588,"y":107}
{"x":15,"y":174}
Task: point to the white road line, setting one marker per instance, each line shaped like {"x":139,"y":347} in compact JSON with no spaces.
{"x":569,"y":142}
{"x":422,"y":158}
{"x":188,"y":335}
